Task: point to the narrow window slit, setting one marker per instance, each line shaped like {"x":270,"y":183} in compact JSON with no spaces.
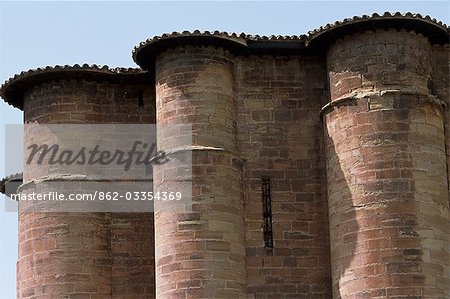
{"x":267,"y":214}
{"x":140,"y":98}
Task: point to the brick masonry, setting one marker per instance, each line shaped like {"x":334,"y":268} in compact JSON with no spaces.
{"x":440,"y":87}
{"x":84,"y":255}
{"x":200,"y":253}
{"x":280,"y":137}
{"x":387,"y":186}
{"x":350,"y":124}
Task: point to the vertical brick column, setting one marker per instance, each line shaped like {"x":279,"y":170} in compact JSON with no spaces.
{"x":440,"y":86}
{"x":200,"y":252}
{"x":83,"y":254}
{"x":62,"y":254}
{"x":387,"y":182}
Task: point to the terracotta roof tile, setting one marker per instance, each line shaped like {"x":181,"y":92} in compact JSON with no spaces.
{"x":403,"y":19}
{"x":17,"y":177}
{"x":12,"y":89}
{"x":239,"y":40}
{"x":145,"y":53}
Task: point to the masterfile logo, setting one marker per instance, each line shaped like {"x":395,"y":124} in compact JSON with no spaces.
{"x":99,"y":167}
{"x":139,"y":154}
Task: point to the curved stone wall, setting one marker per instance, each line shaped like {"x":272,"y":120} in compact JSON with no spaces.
{"x":200,"y":249}
{"x":65,"y":254}
{"x":387,"y":186}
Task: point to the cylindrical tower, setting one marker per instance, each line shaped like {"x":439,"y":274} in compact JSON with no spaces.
{"x":387,"y":181}
{"x":80,"y":254}
{"x":200,"y":246}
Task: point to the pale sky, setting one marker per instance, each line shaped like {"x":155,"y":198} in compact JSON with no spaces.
{"x":36,"y":34}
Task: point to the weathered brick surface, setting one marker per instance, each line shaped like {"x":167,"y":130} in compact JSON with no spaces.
{"x":84,"y":255}
{"x":350,"y":130}
{"x":379,"y":60}
{"x":439,"y":86}
{"x":200,"y":252}
{"x":387,"y":186}
{"x":132,"y":254}
{"x":280,"y":137}
{"x":62,"y":255}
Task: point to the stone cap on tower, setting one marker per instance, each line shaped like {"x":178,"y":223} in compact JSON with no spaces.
{"x":13,"y":89}
{"x":16,"y":178}
{"x":145,"y":53}
{"x":436,"y":31}
{"x":316,"y":41}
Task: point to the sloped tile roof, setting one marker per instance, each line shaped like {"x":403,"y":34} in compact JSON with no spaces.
{"x":17,"y":177}
{"x":12,"y":89}
{"x":144,"y":53}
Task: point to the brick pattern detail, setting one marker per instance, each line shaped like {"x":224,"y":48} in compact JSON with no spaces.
{"x":440,"y":87}
{"x":387,"y":187}
{"x":132,"y":254}
{"x":360,"y":198}
{"x":85,"y":255}
{"x":280,"y":136}
{"x":200,"y":253}
{"x":379,"y":60}
{"x":74,"y":102}
{"x":63,"y":256}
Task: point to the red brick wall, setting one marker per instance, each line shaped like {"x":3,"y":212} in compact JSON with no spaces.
{"x":379,"y":61}
{"x":132,"y":253}
{"x":82,"y":254}
{"x":369,"y":180}
{"x":280,"y":136}
{"x":440,"y":86}
{"x":200,"y":250}
{"x":387,"y":189}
